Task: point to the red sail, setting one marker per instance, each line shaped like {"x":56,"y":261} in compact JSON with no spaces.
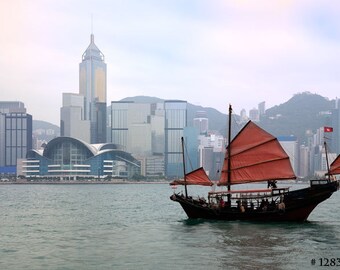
{"x":256,"y":156}
{"x":196,"y":177}
{"x":335,"y":166}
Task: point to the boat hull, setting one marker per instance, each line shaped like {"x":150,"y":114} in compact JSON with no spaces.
{"x":298,"y":206}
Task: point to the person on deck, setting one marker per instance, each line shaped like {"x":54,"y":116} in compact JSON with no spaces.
{"x":222,"y":203}
{"x":272,"y":184}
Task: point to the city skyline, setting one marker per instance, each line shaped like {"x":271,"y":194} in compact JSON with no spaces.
{"x":239,"y":53}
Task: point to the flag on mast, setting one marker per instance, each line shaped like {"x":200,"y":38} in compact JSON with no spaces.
{"x":328,"y":129}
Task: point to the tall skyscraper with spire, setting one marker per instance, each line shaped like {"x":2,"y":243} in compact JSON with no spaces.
{"x":92,"y":85}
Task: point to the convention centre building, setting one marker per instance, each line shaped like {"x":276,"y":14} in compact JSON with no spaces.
{"x":67,"y":158}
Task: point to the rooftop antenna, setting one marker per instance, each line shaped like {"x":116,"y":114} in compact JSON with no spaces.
{"x":92,"y":36}
{"x":91,"y":23}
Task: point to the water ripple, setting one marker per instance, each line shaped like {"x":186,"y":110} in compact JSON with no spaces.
{"x":138,"y":227}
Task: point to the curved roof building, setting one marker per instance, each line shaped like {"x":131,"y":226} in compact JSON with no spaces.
{"x":70,"y":157}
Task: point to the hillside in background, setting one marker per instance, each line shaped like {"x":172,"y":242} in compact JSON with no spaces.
{"x":303,"y":112}
{"x":217,"y":120}
{"x":45,"y":131}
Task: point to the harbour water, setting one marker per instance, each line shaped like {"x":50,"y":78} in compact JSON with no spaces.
{"x":136,"y":226}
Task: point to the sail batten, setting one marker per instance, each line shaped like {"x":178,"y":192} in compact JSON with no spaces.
{"x":241,"y":149}
{"x":255,"y":156}
{"x":258,"y":163}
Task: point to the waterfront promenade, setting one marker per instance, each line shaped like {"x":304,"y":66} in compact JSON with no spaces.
{"x":77,"y":182}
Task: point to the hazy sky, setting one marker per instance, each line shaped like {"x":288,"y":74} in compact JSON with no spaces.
{"x":208,"y":52}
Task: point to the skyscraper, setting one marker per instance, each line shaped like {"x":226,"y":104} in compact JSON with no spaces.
{"x":72,"y":123}
{"x":262,"y":108}
{"x":201,"y":122}
{"x":290,"y":145}
{"x":92,"y":85}
{"x":254,"y":115}
{"x":15,"y":135}
{"x":335,"y":135}
{"x":175,"y":122}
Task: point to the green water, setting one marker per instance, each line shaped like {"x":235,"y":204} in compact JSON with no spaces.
{"x":138,"y":227}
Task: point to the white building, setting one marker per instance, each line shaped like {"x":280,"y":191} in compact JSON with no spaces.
{"x":72,"y":118}
{"x":290,"y":145}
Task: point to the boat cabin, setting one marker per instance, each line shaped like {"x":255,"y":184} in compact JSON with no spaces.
{"x":243,"y":200}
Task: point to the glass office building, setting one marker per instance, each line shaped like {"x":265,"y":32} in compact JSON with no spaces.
{"x":119,"y":123}
{"x":175,"y":122}
{"x":15,"y":135}
{"x":92,"y":85}
{"x":152,"y":132}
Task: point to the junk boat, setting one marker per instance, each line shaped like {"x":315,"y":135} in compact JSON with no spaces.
{"x":254,"y":156}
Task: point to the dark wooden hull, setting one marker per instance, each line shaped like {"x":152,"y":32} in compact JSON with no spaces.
{"x":298,"y":206}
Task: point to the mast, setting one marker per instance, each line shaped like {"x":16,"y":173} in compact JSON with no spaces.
{"x":185,"y":178}
{"x":229,"y":154}
{"x":327,"y":162}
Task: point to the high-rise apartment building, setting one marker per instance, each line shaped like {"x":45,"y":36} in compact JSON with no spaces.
{"x":15,"y":135}
{"x":304,"y":162}
{"x":290,"y":145}
{"x":243,"y":116}
{"x":211,"y":153}
{"x":254,"y":115}
{"x":335,"y":135}
{"x":262,"y":108}
{"x":201,"y":122}
{"x":92,"y":85}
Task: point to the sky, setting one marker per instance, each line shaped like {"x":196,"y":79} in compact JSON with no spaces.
{"x":210,"y":53}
